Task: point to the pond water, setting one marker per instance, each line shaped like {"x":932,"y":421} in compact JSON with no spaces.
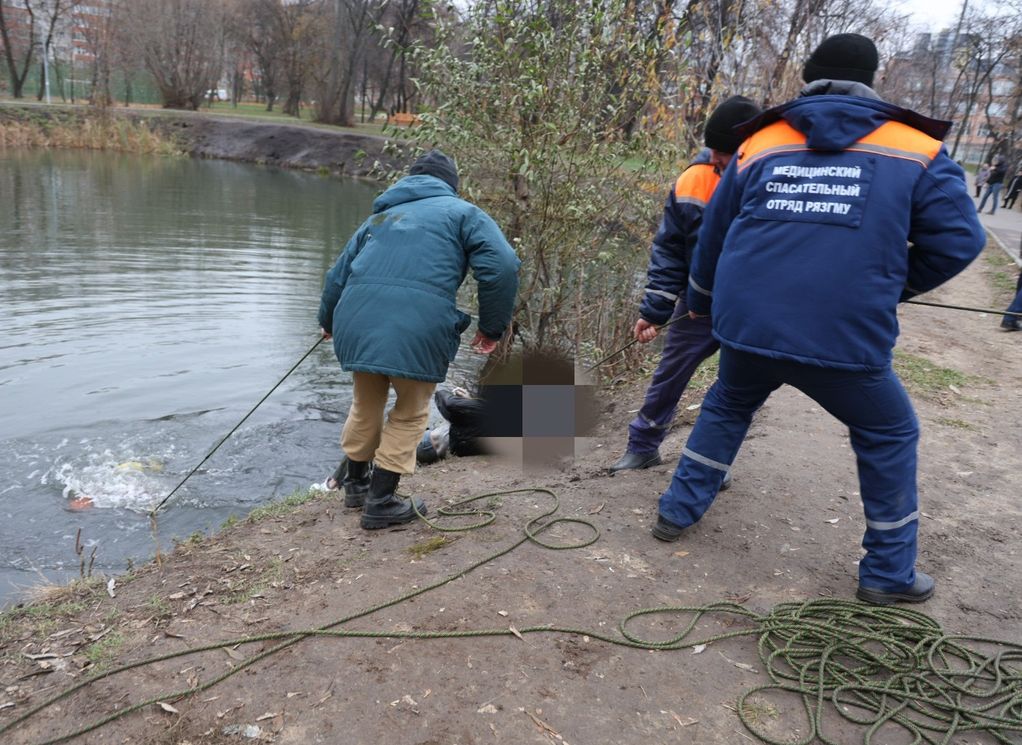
{"x":146,"y":304}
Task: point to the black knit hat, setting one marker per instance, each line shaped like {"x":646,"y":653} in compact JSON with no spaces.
{"x":435,"y":163}
{"x":719,"y":133}
{"x":843,"y":57}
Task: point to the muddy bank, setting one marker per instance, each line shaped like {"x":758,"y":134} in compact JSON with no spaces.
{"x":787,"y":531}
{"x":206,"y":136}
{"x":282,"y":145}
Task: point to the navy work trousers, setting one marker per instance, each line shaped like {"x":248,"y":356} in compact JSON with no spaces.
{"x":689,"y":342}
{"x":884,"y":433}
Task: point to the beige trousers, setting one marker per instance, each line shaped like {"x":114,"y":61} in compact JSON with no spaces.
{"x":392,"y":445}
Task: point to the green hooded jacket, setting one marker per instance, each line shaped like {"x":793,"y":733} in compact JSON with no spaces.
{"x":390,"y":300}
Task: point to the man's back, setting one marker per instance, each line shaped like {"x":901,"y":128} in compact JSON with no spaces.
{"x":817,"y":212}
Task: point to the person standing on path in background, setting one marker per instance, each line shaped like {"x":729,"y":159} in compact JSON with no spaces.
{"x":689,"y":341}
{"x":981,"y":178}
{"x":1014,"y":323}
{"x":802,"y":260}
{"x":390,"y":305}
{"x":1011,"y":194}
{"x":994,"y":183}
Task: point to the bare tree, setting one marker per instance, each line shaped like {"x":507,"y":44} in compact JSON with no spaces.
{"x":19,"y":33}
{"x":181,"y":43}
{"x":98,"y":27}
{"x":254,"y":23}
{"x":52,"y":15}
{"x":349,"y":24}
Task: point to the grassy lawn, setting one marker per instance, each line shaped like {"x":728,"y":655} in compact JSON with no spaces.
{"x":258,"y":111}
{"x":244,"y":110}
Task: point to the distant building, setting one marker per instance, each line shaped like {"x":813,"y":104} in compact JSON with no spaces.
{"x":958,"y":77}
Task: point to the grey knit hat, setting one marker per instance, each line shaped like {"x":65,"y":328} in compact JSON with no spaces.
{"x":436,"y":163}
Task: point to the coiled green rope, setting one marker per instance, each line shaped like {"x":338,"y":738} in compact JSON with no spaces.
{"x":877,"y":668}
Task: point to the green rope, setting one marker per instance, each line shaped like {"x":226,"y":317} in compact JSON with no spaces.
{"x":877,"y":668}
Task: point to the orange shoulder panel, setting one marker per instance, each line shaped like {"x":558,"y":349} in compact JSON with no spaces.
{"x":696,"y":184}
{"x":777,"y":137}
{"x":899,"y":140}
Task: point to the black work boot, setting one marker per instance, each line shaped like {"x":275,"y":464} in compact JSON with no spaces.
{"x":356,"y":483}
{"x":636,"y":461}
{"x":920,"y":590}
{"x":383,"y":507}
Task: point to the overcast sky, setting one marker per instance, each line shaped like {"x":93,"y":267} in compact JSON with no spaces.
{"x":931,"y":15}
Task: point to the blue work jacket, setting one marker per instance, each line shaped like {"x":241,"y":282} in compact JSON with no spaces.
{"x":675,"y":239}
{"x":834,"y":209}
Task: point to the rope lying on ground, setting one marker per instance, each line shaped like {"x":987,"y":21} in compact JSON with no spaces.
{"x":877,"y":667}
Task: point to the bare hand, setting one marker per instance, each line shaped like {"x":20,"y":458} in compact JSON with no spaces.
{"x":644,"y":331}
{"x":326,"y":334}
{"x":483,"y":344}
{"x":693,"y":315}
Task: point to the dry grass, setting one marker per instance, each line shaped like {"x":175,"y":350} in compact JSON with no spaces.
{"x":83,"y":133}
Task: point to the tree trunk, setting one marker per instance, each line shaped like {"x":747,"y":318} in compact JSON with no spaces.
{"x":17,"y":80}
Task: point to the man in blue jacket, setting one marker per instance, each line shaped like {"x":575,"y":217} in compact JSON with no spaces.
{"x":689,"y":340}
{"x":837,"y":206}
{"x":390,"y":305}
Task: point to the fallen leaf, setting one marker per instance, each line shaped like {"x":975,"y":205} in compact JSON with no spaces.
{"x":598,"y":508}
{"x":234,"y":654}
{"x":681,"y":554}
{"x":698,"y":649}
{"x":693,"y":407}
{"x":832,"y":522}
{"x":502,"y":613}
{"x":488,"y":709}
{"x":110,"y":587}
{"x":177,"y":596}
{"x":168,"y":708}
{"x":8,"y":705}
{"x":516,"y":632}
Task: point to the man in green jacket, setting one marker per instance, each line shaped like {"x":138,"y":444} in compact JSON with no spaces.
{"x":389,"y":303}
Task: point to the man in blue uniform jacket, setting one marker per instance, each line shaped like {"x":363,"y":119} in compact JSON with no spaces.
{"x":689,"y":340}
{"x":390,"y":305}
{"x":837,"y":206}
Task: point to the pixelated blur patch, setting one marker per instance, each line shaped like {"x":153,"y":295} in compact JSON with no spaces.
{"x":542,"y":399}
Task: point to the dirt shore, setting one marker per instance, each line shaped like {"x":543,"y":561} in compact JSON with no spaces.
{"x":202,"y":135}
{"x":788,"y":530}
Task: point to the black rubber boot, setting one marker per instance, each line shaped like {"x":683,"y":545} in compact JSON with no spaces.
{"x":356,"y":483}
{"x":636,"y":461}
{"x":383,"y":507}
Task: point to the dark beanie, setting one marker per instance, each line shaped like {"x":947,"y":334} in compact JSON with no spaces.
{"x":719,"y":133}
{"x":435,"y":163}
{"x":843,"y":57}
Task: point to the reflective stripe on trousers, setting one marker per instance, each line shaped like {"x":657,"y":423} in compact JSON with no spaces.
{"x":883,"y":432}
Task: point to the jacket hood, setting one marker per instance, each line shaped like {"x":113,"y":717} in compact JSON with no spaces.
{"x":834,"y":121}
{"x":411,"y":189}
{"x":702,"y":157}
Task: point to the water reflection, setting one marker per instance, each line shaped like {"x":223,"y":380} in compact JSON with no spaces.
{"x":145,"y":305}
